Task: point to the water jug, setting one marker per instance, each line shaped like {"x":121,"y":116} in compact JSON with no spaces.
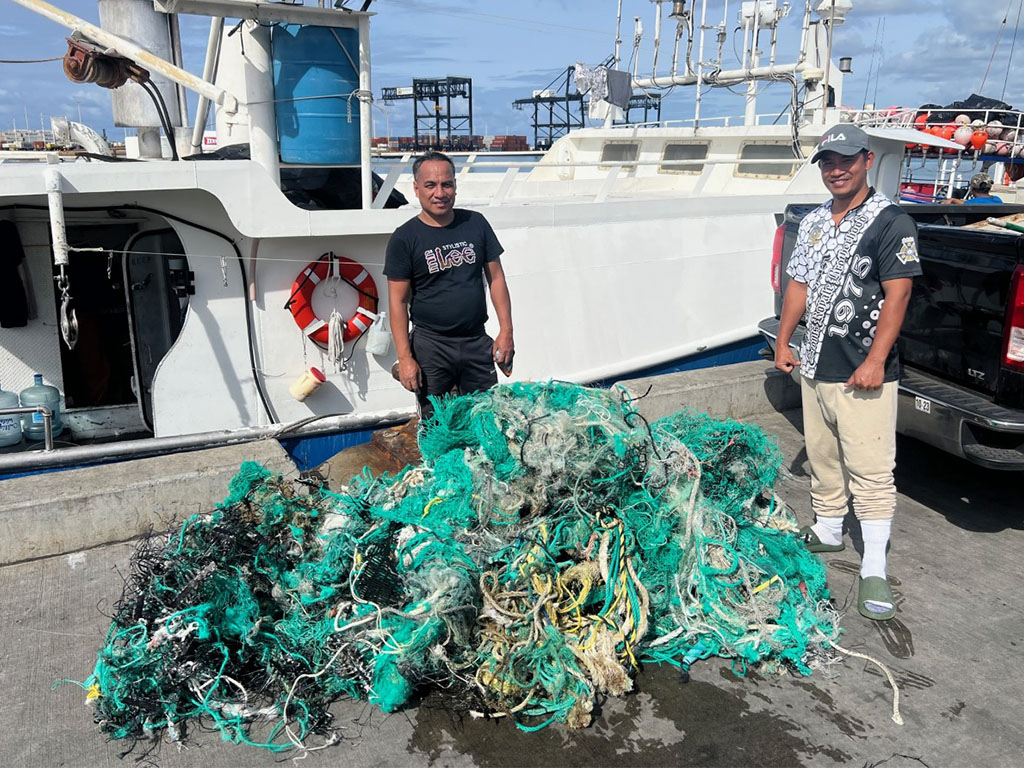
{"x":41,"y":394}
{"x":10,"y":423}
{"x":378,"y":338}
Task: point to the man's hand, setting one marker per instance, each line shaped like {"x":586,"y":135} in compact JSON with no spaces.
{"x":503,"y":349}
{"x":869,"y":375}
{"x":409,"y":374}
{"x":784,"y":359}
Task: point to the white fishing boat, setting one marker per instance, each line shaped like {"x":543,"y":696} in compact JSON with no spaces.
{"x":178,"y":316}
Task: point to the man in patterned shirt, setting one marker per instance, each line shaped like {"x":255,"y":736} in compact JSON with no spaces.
{"x":852,"y":270}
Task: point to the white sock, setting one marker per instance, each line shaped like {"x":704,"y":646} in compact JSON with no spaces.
{"x":829,"y":530}
{"x":876,"y":538}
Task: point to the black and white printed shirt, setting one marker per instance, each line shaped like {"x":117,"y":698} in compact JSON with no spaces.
{"x":844,"y":266}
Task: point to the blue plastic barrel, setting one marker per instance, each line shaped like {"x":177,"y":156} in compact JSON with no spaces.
{"x":315,"y":71}
{"x":41,"y":394}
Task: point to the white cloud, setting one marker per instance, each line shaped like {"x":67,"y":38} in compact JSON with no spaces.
{"x":6,"y":30}
{"x":891,"y":7}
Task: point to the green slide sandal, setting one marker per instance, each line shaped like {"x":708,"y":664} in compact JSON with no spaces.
{"x":874,"y":599}
{"x":813,"y":543}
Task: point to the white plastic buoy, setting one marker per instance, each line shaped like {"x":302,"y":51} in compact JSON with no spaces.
{"x":963,"y":135}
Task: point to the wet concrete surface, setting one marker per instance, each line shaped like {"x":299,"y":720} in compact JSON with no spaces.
{"x":953,"y":648}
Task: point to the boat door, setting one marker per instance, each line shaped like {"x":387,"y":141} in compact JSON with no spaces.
{"x":157,"y":285}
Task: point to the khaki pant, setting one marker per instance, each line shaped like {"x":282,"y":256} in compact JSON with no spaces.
{"x":851,"y":446}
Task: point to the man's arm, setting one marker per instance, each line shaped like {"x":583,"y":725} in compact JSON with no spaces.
{"x":794,"y":304}
{"x":871,"y":373}
{"x":398,"y":301}
{"x":504,"y":345}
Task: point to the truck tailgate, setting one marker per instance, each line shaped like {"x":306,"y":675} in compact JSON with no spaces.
{"x":954,"y":324}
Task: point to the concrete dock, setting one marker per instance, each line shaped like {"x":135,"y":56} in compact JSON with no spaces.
{"x":954,"y":565}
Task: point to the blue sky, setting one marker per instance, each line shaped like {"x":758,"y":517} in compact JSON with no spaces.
{"x":931,"y":51}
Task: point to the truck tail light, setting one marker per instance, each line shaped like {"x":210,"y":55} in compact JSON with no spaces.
{"x":1013,"y":332}
{"x":780,"y":235}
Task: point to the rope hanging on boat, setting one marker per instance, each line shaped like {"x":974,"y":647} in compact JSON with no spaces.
{"x":336,"y":339}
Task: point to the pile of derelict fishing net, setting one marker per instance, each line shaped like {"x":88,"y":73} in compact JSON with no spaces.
{"x":550,"y":542}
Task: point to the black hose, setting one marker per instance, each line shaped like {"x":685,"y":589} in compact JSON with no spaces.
{"x":161,"y":110}
{"x":165,"y":117}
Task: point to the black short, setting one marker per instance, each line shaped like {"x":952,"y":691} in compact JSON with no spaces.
{"x":462,"y":363}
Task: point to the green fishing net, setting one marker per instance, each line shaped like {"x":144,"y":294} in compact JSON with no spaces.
{"x":551,"y":541}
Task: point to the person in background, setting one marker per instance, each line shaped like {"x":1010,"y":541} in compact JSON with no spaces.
{"x":436,"y":265}
{"x":852,"y":270}
{"x":979,"y":191}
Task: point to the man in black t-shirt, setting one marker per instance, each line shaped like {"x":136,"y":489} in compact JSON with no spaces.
{"x":852,"y":270}
{"x":436,"y":264}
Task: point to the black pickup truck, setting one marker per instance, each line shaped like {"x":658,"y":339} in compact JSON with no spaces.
{"x":962,"y":343}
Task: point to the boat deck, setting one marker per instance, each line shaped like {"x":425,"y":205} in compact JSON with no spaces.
{"x":953,"y":648}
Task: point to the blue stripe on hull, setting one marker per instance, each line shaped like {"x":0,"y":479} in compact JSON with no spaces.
{"x":310,"y":452}
{"x":738,"y":352}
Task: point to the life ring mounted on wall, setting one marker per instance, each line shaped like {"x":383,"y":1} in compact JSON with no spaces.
{"x":300,"y":302}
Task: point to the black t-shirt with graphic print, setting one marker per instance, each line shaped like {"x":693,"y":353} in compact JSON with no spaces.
{"x":445,"y":268}
{"x":844,"y":266}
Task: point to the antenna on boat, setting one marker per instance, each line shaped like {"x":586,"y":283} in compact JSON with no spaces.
{"x":835,"y":11}
{"x":684,"y":23}
{"x":999,"y":36}
{"x":638,"y":35}
{"x":871,"y":65}
{"x":618,"y":35}
{"x":1013,"y":44}
{"x":657,"y":36}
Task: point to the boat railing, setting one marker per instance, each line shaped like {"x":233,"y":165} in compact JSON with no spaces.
{"x":724,"y":121}
{"x":514,"y":171}
{"x":511,"y":175}
{"x":47,"y":415}
{"x":1005,"y":128}
{"x":905,"y":116}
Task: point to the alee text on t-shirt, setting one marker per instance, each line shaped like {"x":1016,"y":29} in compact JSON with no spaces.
{"x":448,"y":256}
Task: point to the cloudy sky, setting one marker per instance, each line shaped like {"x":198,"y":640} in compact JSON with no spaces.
{"x":916,"y":51}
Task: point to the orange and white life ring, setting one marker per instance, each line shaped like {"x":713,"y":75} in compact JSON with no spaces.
{"x":300,"y":303}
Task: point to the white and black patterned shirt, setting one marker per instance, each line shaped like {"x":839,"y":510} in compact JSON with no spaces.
{"x":844,"y":266}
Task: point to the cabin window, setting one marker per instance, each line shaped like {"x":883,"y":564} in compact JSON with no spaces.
{"x":689,"y":151}
{"x":777,"y":151}
{"x":620,"y":152}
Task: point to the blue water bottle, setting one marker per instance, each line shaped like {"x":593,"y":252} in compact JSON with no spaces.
{"x":41,"y":394}
{"x":10,"y":423}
